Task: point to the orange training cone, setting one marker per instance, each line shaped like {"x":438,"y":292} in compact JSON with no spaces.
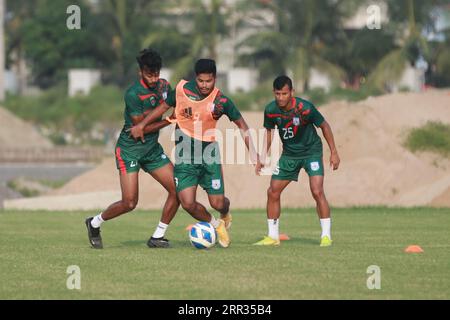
{"x":413,"y":249}
{"x":284,"y":237}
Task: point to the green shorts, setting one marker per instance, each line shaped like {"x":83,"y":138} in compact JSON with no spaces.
{"x":288,"y":168}
{"x":208,"y":176}
{"x":128,"y":162}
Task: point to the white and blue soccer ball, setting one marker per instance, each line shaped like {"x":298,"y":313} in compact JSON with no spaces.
{"x":203,"y":235}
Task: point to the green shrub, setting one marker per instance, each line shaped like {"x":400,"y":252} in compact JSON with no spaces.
{"x":433,"y":136}
{"x":77,"y":116}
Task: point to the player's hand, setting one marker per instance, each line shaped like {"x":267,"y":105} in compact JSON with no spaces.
{"x":173,"y":116}
{"x":334,"y":160}
{"x":258,"y":166}
{"x":137,"y":132}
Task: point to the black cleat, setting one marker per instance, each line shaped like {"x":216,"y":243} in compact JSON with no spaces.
{"x":158,"y":243}
{"x":95,"y":238}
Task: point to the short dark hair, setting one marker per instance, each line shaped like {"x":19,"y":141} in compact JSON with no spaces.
{"x":150,"y":59}
{"x":205,"y":66}
{"x":281,"y":81}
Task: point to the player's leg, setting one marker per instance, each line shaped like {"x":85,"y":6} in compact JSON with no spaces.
{"x":189,"y":203}
{"x":274,"y":211}
{"x":130,"y":194}
{"x":158,"y":165}
{"x":187,"y":177}
{"x":212,"y":182}
{"x":164,"y":176}
{"x":286,"y":171}
{"x":316,"y":178}
{"x":128,"y":167}
{"x":129,"y":186}
{"x":222,"y":204}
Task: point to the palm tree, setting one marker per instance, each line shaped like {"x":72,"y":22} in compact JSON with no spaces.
{"x":198,"y":32}
{"x":411,"y":43}
{"x":297,"y":42}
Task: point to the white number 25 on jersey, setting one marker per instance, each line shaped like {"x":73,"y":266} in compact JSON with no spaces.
{"x":288,"y":133}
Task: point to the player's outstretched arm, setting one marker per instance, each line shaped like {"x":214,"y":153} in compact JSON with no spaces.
{"x":328,"y":134}
{"x":137,"y":132}
{"x":156,"y":126}
{"x":254,"y":156}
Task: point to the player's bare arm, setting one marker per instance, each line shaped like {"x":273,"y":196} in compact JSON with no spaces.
{"x":254,"y":156}
{"x":137,"y":132}
{"x":328,"y":134}
{"x":268,"y":144}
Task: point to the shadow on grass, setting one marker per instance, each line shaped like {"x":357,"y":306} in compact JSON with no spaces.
{"x":143,"y":242}
{"x":303,"y":241}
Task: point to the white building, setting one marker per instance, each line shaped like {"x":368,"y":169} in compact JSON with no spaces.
{"x":81,"y":81}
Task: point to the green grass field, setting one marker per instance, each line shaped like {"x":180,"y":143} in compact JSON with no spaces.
{"x":36,"y":249}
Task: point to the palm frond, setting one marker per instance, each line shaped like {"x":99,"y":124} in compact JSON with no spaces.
{"x":389,"y":69}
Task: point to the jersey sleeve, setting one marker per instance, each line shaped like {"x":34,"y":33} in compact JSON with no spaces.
{"x":315,"y":117}
{"x":225,"y":106}
{"x":164,"y":90}
{"x":231,"y":111}
{"x":171,"y":98}
{"x":268,"y":122}
{"x":133,"y":104}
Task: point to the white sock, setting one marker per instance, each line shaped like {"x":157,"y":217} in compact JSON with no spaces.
{"x":160,"y":230}
{"x":326,"y":227}
{"x":215,"y":223}
{"x":97,"y":221}
{"x":273,"y":228}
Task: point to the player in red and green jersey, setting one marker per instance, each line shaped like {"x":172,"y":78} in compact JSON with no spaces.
{"x":201,"y":102}
{"x":131,"y":156}
{"x":296,"y":120}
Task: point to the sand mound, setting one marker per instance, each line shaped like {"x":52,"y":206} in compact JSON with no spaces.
{"x":375,"y":167}
{"x":16,"y":133}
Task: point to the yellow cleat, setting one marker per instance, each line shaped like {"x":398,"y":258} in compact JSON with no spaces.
{"x":227,"y":219}
{"x":325,"y":242}
{"x":267,"y":241}
{"x":222,"y":233}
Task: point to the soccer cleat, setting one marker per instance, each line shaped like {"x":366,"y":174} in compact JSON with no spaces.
{"x":94,"y":235}
{"x":158,"y":243}
{"x":267,"y":241}
{"x":224,"y":238}
{"x":227,"y":219}
{"x":325,"y":241}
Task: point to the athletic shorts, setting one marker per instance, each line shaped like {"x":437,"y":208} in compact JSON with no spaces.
{"x":208,"y":176}
{"x":289,"y":169}
{"x":128,"y":162}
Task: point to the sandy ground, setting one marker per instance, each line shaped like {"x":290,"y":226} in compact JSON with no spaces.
{"x":16,"y":133}
{"x":375,"y":167}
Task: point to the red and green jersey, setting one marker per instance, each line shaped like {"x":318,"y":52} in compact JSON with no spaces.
{"x":296,"y":128}
{"x":139,"y":100}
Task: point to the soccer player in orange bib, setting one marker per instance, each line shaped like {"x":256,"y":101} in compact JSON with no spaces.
{"x":198,"y":106}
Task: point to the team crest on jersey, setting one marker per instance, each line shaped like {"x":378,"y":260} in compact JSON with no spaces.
{"x":296,"y":121}
{"x":152,"y":101}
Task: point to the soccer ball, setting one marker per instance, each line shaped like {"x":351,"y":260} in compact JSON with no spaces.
{"x":202,"y":235}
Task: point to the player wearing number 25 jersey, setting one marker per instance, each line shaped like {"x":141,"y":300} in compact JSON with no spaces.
{"x":296,"y":120}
